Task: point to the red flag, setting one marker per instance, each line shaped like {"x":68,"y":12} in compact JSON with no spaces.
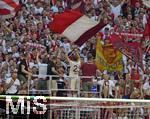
{"x":8,"y":8}
{"x":131,"y":50}
{"x":77,"y":27}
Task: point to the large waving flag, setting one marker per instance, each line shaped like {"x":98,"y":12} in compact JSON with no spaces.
{"x":77,"y":27}
{"x":131,"y":50}
{"x":108,"y":58}
{"x":8,"y":8}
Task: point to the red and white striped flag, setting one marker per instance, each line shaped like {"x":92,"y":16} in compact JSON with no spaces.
{"x":77,"y":27}
{"x":8,"y":8}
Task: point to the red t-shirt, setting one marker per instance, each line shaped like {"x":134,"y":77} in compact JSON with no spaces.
{"x":135,"y":76}
{"x":88,"y":69}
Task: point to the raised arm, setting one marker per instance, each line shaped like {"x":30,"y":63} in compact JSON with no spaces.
{"x":67,"y":58}
{"x":37,"y":57}
{"x":77,"y":53}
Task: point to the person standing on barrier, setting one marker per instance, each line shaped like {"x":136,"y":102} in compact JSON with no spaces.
{"x":88,"y":69}
{"x":23,"y":70}
{"x":51,"y":70}
{"x":74,"y":72}
{"x":42,"y":71}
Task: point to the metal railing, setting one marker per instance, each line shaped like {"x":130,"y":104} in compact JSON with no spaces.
{"x":48,"y":90}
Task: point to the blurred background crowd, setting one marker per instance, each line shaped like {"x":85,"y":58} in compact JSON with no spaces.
{"x":29,"y":49}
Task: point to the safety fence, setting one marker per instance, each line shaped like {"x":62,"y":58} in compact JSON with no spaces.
{"x":68,"y":107}
{"x":94,"y":108}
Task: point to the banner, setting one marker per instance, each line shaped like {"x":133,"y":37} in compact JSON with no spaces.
{"x":108,"y":58}
{"x":130,"y":35}
{"x":35,"y":45}
{"x":131,"y":50}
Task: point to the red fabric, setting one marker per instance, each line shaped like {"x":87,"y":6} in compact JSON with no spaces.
{"x":4,"y":11}
{"x":62,"y":21}
{"x":135,"y":76}
{"x":131,"y":50}
{"x":88,"y":69}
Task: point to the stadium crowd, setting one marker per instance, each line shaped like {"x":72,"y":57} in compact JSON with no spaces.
{"x":29,"y":50}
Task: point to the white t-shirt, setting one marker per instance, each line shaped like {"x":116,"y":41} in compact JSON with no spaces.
{"x":116,"y":10}
{"x":13,"y":88}
{"x":54,"y":9}
{"x":74,"y":68}
{"x":67,"y":47}
{"x":38,"y":10}
{"x":110,"y":83}
{"x":146,"y":86}
{"x":42,"y":70}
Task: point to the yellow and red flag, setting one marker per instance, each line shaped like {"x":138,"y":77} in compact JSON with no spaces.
{"x":108,"y":58}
